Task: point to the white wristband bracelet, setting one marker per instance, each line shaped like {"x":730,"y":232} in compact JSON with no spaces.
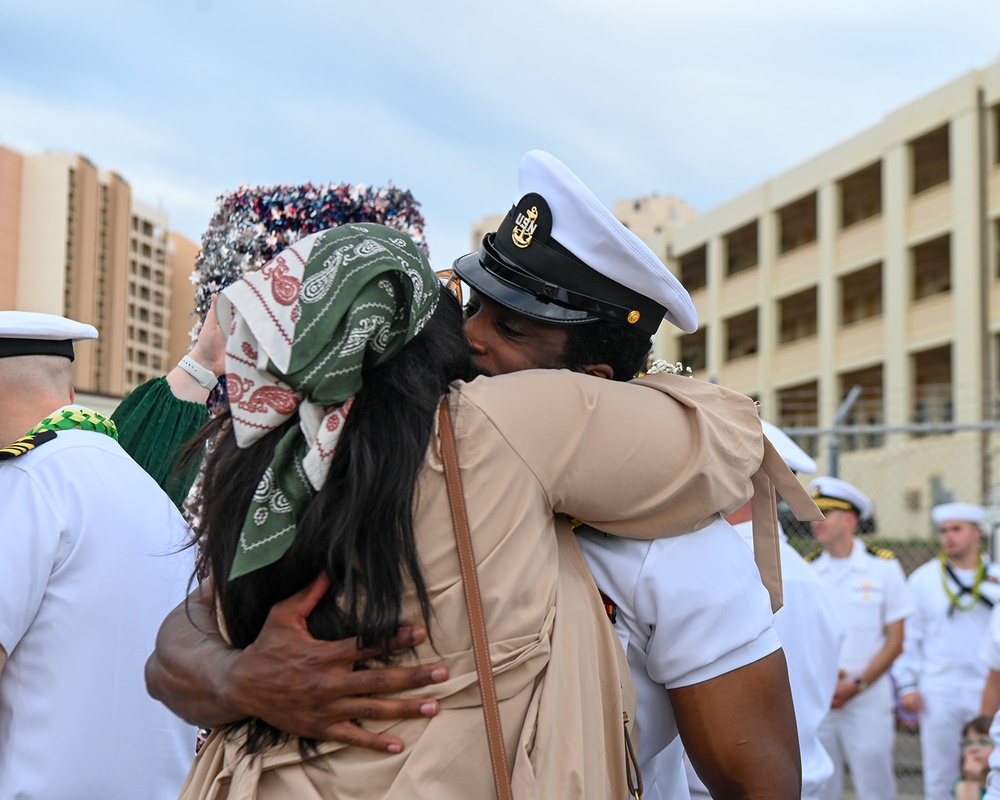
{"x":205,"y":377}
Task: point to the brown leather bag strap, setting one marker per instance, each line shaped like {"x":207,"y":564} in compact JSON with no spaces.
{"x":474,"y":602}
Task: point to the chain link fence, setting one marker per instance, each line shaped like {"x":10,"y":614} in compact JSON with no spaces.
{"x":907,"y":470}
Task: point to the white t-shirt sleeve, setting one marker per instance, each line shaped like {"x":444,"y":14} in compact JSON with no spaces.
{"x":31,"y":546}
{"x":907,"y":668}
{"x":710,"y":612}
{"x":990,"y":650}
{"x":898,"y":601}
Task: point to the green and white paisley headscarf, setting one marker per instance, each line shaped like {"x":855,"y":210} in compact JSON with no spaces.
{"x":301,"y":331}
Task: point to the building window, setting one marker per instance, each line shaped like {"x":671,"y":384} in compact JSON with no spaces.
{"x":694,"y":268}
{"x":797,"y":316}
{"x":797,"y":223}
{"x":868,"y":409}
{"x":741,"y":335}
{"x":861,"y":195}
{"x":929,"y":163}
{"x":861,"y":295}
{"x":931,"y":262}
{"x":741,"y":249}
{"x":143,"y":337}
{"x":932,"y":385}
{"x":694,"y":350}
{"x":135,"y":223}
{"x":798,"y":408}
{"x":144,"y":292}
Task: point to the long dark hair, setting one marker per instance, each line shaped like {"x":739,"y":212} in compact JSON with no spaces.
{"x":359,"y":526}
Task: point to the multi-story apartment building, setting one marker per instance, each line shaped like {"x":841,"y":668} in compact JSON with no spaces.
{"x":76,"y":243}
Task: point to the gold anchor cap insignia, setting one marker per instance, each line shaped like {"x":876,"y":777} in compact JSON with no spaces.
{"x":524,"y":227}
{"x":633,"y":317}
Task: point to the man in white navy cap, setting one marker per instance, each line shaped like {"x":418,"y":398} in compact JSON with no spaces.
{"x":940,"y":675}
{"x":88,"y":568}
{"x":870,"y":590}
{"x":563,"y":284}
{"x":811,"y":630}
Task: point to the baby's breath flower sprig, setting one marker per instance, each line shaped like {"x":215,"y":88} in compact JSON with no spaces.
{"x":660,"y":365}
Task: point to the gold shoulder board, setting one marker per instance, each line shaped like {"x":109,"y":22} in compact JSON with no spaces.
{"x":881,"y":552}
{"x":814,"y":555}
{"x":25,"y":445}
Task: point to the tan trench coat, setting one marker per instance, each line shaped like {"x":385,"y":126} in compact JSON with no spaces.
{"x":532,"y":447}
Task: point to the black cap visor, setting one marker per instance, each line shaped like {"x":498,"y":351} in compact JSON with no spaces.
{"x":470,"y":270}
{"x":494,"y":276}
{"x":36,"y":347}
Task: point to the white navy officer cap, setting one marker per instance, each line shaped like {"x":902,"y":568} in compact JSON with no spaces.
{"x":560,"y":256}
{"x":27,"y":333}
{"x":833,"y":493}
{"x":963,"y":512}
{"x":797,"y":459}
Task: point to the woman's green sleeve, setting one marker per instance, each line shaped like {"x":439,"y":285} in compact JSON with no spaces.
{"x":152,"y":426}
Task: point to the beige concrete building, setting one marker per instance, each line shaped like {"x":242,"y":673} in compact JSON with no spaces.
{"x":73,"y":241}
{"x":874,"y":264}
{"x":182,"y":254}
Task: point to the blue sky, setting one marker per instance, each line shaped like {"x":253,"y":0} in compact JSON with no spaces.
{"x":702,"y":99}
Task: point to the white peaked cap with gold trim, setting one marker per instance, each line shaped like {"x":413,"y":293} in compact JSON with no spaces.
{"x":561,"y":256}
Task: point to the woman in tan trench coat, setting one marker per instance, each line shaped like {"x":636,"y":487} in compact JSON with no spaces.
{"x":330,"y":462}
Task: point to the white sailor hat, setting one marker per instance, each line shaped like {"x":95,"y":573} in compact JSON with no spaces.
{"x":27,"y":333}
{"x":833,"y":493}
{"x":795,"y":457}
{"x":964,"y":512}
{"x":560,"y":256}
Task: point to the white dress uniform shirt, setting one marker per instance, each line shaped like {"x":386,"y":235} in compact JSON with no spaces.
{"x":941,"y":660}
{"x":870,"y":592}
{"x":811,"y":631}
{"x":89,"y":567}
{"x":689,"y":608}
